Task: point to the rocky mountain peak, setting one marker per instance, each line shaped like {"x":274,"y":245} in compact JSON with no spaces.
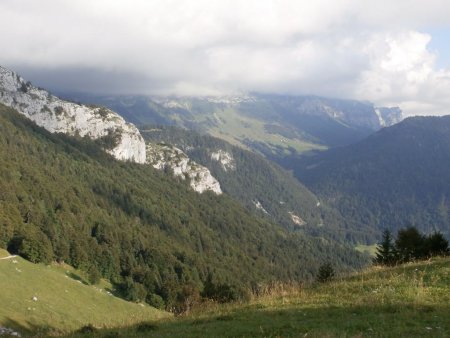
{"x":119,"y":138}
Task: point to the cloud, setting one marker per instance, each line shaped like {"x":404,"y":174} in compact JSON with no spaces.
{"x":367,"y":50}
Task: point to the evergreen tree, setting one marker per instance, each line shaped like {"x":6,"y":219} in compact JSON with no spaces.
{"x":410,"y":244}
{"x":386,"y":250}
{"x":436,"y":244}
{"x":325,"y":273}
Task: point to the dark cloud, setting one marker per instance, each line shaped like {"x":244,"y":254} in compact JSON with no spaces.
{"x":346,"y":48}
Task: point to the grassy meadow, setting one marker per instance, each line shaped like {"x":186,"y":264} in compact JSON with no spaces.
{"x":411,"y":300}
{"x":55,"y":299}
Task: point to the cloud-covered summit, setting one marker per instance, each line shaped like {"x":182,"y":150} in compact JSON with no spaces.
{"x":378,"y":51}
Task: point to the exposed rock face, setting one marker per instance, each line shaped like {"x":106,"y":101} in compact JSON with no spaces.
{"x":296,"y":219}
{"x":120,"y":139}
{"x":389,"y":116}
{"x":163,"y":156}
{"x":259,"y":206}
{"x":225,"y":159}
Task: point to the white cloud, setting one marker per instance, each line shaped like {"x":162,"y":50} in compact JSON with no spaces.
{"x":402,"y":72}
{"x":348,"y":48}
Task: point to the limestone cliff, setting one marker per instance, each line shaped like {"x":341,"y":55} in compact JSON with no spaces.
{"x":120,"y":139}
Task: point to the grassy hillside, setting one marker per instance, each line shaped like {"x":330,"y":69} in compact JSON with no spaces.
{"x":63,"y":302}
{"x":412,"y":300}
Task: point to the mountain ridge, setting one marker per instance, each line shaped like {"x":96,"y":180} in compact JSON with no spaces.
{"x":273,"y":125}
{"x":119,"y":138}
{"x":394,"y":178}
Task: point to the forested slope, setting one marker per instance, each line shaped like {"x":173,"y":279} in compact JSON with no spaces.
{"x":63,"y":198}
{"x":260,"y":185}
{"x":395,"y":178}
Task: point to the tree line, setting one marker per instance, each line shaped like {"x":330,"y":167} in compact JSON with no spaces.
{"x":410,"y":245}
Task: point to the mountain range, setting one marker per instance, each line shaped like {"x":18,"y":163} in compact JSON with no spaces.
{"x":273,"y":125}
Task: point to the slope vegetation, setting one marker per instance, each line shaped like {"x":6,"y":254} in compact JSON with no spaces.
{"x":53,"y":299}
{"x":259,"y":184}
{"x":395,"y":178}
{"x":406,"y":301}
{"x":63,"y":198}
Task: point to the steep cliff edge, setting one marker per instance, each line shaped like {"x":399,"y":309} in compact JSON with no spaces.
{"x":119,"y":138}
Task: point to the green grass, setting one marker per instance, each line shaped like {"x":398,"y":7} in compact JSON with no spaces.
{"x":3,"y":253}
{"x":412,"y":300}
{"x":371,"y":250}
{"x":64,"y":302}
{"x":234,"y":128}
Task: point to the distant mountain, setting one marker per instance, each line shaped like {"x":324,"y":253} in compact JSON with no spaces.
{"x":396,"y":177}
{"x":276,"y":126}
{"x":117,"y":137}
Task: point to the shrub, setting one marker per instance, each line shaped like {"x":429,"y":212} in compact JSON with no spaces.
{"x":93,"y":275}
{"x":87,"y":329}
{"x":132,"y":291}
{"x":325,"y":273}
{"x":220,"y":292}
{"x":155,"y":300}
{"x":32,"y":245}
{"x":58,"y":110}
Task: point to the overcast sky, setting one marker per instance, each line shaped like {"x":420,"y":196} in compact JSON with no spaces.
{"x":393,"y":53}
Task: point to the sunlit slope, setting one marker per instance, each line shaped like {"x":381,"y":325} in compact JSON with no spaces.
{"x":53,"y":297}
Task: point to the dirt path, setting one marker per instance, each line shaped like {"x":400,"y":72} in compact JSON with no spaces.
{"x":8,"y":257}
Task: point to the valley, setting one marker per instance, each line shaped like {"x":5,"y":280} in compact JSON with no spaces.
{"x":224,"y":168}
{"x":213,"y":215}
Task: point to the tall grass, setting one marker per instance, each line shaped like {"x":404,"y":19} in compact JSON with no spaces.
{"x":411,"y":300}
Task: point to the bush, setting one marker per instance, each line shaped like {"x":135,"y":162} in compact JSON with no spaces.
{"x":221,"y":292}
{"x":132,"y":291}
{"x":93,"y":275}
{"x":325,"y":273}
{"x":187,"y":297}
{"x":87,"y":329}
{"x":155,"y":301}
{"x":33,"y":245}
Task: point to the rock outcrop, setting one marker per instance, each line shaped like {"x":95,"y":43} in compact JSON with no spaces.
{"x":119,"y":138}
{"x":163,"y":156}
{"x":225,"y":159}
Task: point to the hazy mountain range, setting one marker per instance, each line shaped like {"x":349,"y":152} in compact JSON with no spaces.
{"x":276,"y":126}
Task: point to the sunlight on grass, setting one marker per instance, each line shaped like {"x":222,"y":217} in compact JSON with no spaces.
{"x":412,"y":300}
{"x":408,"y":300}
{"x":235,"y":128}
{"x":371,"y":250}
{"x":38,"y":296}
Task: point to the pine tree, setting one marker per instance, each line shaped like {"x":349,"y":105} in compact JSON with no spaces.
{"x":410,"y":244}
{"x":325,"y":273}
{"x":386,"y":250}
